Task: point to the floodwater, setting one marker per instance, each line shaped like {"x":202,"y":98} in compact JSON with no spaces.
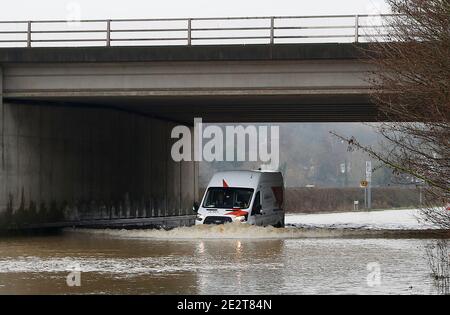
{"x":227,"y":259}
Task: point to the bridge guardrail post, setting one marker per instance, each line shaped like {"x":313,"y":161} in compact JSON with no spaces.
{"x":108,"y":33}
{"x":272,"y":30}
{"x":356,"y":28}
{"x":29,"y":34}
{"x":189,"y":35}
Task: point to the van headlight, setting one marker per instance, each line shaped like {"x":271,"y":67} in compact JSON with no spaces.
{"x":240,"y":219}
{"x":200,"y":217}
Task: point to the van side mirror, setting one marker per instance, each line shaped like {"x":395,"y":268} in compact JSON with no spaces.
{"x":195,"y":207}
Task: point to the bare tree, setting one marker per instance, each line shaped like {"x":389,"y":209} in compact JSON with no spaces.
{"x":411,"y":88}
{"x":439,"y":262}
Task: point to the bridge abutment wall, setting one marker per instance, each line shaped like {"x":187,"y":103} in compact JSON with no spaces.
{"x":84,"y":163}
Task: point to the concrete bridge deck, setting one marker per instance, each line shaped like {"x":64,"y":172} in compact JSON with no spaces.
{"x":226,"y":83}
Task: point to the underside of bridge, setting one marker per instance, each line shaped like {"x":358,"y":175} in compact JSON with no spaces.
{"x":226,"y":108}
{"x":242,"y":83}
{"x":85,"y":132}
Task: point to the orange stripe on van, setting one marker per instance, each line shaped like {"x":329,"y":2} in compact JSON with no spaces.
{"x":237,"y":212}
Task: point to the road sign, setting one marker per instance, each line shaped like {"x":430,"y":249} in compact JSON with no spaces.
{"x":368,"y":171}
{"x":363,"y":183}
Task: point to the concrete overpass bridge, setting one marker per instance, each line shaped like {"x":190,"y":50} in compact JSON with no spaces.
{"x":85,"y":131}
{"x":245,"y":83}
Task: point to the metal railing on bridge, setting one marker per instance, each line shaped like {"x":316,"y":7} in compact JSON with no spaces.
{"x":194,"y":31}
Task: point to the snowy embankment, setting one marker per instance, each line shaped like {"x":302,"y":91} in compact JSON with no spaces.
{"x":409,"y":219}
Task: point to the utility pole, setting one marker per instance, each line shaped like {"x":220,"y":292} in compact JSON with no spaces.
{"x":420,"y":195}
{"x":346,"y":173}
{"x":343,"y":178}
{"x":369,"y":184}
{"x":419,"y":185}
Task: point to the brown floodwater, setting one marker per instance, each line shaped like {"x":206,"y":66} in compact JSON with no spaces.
{"x":213,"y":260}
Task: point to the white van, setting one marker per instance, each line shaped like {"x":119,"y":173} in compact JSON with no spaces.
{"x":253,"y":197}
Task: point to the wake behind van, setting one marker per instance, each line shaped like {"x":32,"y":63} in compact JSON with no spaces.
{"x":253,"y":197}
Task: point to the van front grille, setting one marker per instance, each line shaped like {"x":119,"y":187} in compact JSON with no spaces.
{"x":217,"y":220}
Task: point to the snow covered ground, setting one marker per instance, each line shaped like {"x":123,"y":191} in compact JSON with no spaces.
{"x":298,"y":226}
{"x":388,"y":219}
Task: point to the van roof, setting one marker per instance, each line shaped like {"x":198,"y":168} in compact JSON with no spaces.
{"x":242,"y":178}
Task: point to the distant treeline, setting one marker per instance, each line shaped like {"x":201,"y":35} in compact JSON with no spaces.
{"x":310,"y":200}
{"x":341,"y":199}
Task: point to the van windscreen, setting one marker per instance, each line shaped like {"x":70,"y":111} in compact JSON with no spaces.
{"x":228,"y":197}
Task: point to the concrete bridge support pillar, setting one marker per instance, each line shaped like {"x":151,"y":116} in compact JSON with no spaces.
{"x":2,"y":164}
{"x":61,"y":162}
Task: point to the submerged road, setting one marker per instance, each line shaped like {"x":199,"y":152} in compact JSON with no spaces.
{"x":225,"y":259}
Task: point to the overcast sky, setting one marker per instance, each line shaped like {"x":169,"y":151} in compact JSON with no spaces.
{"x":101,"y":9}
